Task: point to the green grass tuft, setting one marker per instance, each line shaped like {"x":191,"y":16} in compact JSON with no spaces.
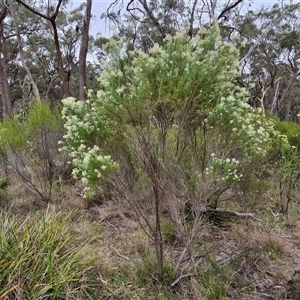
{"x":39,"y":259}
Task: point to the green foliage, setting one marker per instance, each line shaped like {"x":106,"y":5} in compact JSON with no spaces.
{"x":212,"y":286}
{"x":146,"y":270}
{"x":215,"y":281}
{"x":130,"y":281}
{"x":16,"y":134}
{"x":180,"y":96}
{"x":287,"y":175}
{"x":41,"y":117}
{"x":4,"y":183}
{"x":254,"y":186}
{"x":12,"y":134}
{"x":31,"y":146}
{"x":41,"y":259}
{"x":290,"y":160}
{"x":275,"y":250}
{"x":227,"y":168}
{"x":291,"y":130}
{"x":168,"y":230}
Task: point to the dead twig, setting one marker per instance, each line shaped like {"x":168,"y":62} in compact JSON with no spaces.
{"x":112,"y":225}
{"x":119,"y":254}
{"x":181,"y":277}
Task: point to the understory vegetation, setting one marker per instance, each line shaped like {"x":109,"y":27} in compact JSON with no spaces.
{"x":164,"y":184}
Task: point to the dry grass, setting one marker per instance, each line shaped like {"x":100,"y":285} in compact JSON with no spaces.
{"x":246,"y":259}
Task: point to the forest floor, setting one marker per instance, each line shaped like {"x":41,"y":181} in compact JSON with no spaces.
{"x":242,"y":259}
{"x":247,"y":259}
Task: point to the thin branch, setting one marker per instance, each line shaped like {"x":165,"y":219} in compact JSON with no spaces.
{"x":111,"y":5}
{"x":33,"y":10}
{"x":182,"y":255}
{"x":228,"y":8}
{"x":152,"y":17}
{"x":56,"y":10}
{"x":132,"y":9}
{"x":233,"y":213}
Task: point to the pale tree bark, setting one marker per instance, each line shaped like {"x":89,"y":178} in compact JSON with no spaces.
{"x":271,"y":26}
{"x":52,"y":20}
{"x":34,"y":87}
{"x":274,"y":106}
{"x":287,"y":95}
{"x":84,"y":49}
{"x":7,"y":108}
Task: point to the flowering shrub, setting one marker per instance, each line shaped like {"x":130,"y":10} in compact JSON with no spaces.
{"x":228,"y":169}
{"x":157,"y":118}
{"x":85,"y":128}
{"x":180,"y":100}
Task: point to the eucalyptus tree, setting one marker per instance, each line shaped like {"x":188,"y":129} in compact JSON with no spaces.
{"x":30,"y":64}
{"x":63,"y":28}
{"x":6,"y":103}
{"x":22,"y":29}
{"x":50,"y":13}
{"x":272,"y":63}
{"x":12,"y":8}
{"x":41,"y":52}
{"x":84,"y":48}
{"x":145,"y":22}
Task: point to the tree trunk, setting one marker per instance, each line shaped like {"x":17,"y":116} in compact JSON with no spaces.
{"x":84,"y":49}
{"x":21,"y":52}
{"x":7,"y":109}
{"x":287,"y":94}
{"x":61,"y":68}
{"x":52,"y":20}
{"x":158,"y":240}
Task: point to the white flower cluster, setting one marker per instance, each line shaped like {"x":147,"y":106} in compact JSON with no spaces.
{"x":89,"y":165}
{"x":250,"y":126}
{"x":227,"y":168}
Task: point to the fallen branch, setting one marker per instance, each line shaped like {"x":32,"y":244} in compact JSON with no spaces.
{"x":227,"y":213}
{"x":181,"y":277}
{"x":112,"y":225}
{"x":223,"y":262}
{"x":118,"y":253}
